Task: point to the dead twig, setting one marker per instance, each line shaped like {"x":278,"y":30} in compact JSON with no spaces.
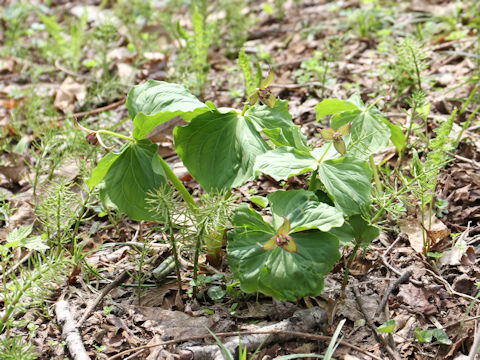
{"x":117,"y":282}
{"x":392,"y":269}
{"x":405,"y":276}
{"x":70,"y":333}
{"x":393,"y":354}
{"x":95,"y":111}
{"x":449,"y":287}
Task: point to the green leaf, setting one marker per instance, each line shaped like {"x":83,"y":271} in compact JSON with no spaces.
{"x":369,"y":135}
{"x":17,"y":235}
{"x":423,"y":336}
{"x":216,"y":292}
{"x":261,"y":201}
{"x":130,"y":177}
{"x":387,"y":327}
{"x":333,"y":106}
{"x":303,"y":210}
{"x":344,"y":234}
{"x":441,"y":336}
{"x":397,"y":136}
{"x":101,"y":170}
{"x":155,"y":102}
{"x":219,"y":149}
{"x":282,"y":274}
{"x":34,"y":243}
{"x":285,"y":162}
{"x":277,"y":117}
{"x":348,"y":180}
{"x":363,"y":232}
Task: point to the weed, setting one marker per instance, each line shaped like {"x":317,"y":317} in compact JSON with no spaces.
{"x":320,"y":65}
{"x":15,"y":348}
{"x":411,"y":62}
{"x":64,"y":43}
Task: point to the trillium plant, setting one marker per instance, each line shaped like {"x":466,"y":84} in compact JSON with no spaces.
{"x":224,"y":148}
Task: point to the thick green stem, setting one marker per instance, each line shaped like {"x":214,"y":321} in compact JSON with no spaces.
{"x":378,"y":184}
{"x":179,"y":185}
{"x":311,"y":185}
{"x":245,"y":108}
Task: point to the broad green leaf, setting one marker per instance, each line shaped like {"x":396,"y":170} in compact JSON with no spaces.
{"x":219,"y":150}
{"x":441,"y":336}
{"x":279,"y":273}
{"x":285,"y":275}
{"x":423,"y":336}
{"x":216,"y":292}
{"x":284,"y":162}
{"x":344,"y":234}
{"x":387,"y":327}
{"x":303,"y":210}
{"x":155,"y":102}
{"x":348,"y":180}
{"x":261,"y":201}
{"x":17,"y":235}
{"x":20,"y":237}
{"x":333,"y":106}
{"x":130,"y":177}
{"x":34,"y":243}
{"x":397,"y":136}
{"x":363,"y":232}
{"x":277,"y":117}
{"x":369,"y":134}
{"x":103,"y":165}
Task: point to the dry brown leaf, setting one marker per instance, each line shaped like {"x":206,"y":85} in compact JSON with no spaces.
{"x":69,"y":92}
{"x":175,"y":324}
{"x":434,"y":231}
{"x":459,"y":254}
{"x":417,"y":298}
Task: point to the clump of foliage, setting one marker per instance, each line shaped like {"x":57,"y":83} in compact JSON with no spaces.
{"x":224,"y":148}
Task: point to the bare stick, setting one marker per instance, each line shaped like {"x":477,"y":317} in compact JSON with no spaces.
{"x":95,"y":111}
{"x":405,"y":276}
{"x":70,"y":333}
{"x":378,"y":337}
{"x":117,"y":282}
{"x":392,"y":269}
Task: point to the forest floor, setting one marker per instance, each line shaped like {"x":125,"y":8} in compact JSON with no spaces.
{"x":316,"y":50}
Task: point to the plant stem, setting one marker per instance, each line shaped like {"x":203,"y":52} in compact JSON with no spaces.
{"x":108,"y":132}
{"x":412,"y":117}
{"x":179,"y":185}
{"x":325,"y":153}
{"x":349,"y":264}
{"x":466,"y":124}
{"x":417,"y":70}
{"x":378,"y":184}
{"x":195,"y":260}
{"x":311,"y":185}
{"x":175,"y":254}
{"x":245,"y":108}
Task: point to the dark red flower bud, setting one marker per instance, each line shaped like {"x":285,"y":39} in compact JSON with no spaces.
{"x":91,"y":138}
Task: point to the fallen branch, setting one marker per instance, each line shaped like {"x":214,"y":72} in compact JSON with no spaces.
{"x":94,"y":111}
{"x":393,"y":354}
{"x":405,"y":276}
{"x":301,"y":321}
{"x":298,"y":334}
{"x":117,"y":282}
{"x":70,"y":333}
